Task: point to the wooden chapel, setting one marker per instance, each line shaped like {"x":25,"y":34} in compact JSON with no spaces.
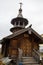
{"x":25,"y":38}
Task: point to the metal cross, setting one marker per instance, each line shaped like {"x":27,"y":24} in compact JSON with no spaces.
{"x":20,"y":5}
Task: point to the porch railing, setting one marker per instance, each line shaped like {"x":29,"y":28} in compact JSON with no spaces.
{"x":36,"y":55}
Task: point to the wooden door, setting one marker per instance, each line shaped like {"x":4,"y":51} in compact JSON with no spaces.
{"x":26,"y":47}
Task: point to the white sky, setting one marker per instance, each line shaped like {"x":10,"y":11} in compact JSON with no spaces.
{"x":32,"y":10}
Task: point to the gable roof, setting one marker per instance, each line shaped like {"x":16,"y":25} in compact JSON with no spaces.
{"x":23,"y":31}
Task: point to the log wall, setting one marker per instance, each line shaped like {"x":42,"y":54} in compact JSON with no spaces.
{"x":23,"y":41}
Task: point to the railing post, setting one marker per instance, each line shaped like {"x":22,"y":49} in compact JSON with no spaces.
{"x":42,"y":61}
{"x":36,"y":55}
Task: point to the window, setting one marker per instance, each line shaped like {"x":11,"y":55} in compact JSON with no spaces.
{"x":0,"y":45}
{"x":16,"y":23}
{"x":0,"y":48}
{"x":21,"y":23}
{"x":41,"y":47}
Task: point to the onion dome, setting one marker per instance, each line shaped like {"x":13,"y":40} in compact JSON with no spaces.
{"x":19,"y":22}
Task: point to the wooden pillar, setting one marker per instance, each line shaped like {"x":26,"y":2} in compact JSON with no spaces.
{"x":3,"y":44}
{"x":6,"y":47}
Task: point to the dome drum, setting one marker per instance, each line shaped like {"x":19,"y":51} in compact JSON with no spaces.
{"x":15,"y":29}
{"x":19,"y":19}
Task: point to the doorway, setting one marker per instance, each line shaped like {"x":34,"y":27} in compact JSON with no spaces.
{"x":26,"y":46}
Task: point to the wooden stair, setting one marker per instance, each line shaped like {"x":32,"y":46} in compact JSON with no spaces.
{"x":29,"y":61}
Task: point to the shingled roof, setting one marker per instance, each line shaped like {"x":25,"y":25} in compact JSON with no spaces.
{"x":23,"y":31}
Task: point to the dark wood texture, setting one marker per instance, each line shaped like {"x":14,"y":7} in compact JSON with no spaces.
{"x":25,"y":42}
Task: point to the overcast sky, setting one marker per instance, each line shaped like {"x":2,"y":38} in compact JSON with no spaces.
{"x":32,"y":10}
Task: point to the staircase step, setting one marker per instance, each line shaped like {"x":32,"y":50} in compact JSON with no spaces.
{"x":29,"y":61}
{"x":31,"y":64}
{"x":35,"y":64}
{"x":27,"y":57}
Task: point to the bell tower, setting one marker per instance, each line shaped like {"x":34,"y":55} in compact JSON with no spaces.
{"x":19,"y":22}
